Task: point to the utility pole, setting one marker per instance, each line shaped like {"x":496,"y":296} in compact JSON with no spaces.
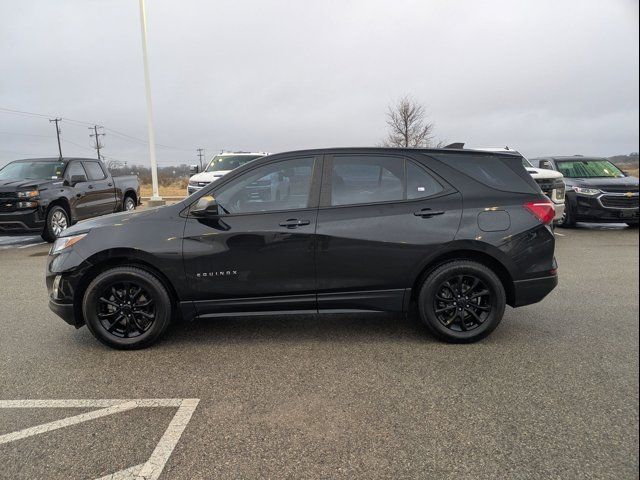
{"x":200,"y":155}
{"x":156,"y":199}
{"x":58,"y":132}
{"x":97,"y":137}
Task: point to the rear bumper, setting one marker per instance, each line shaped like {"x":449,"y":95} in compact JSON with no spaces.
{"x":533,"y":290}
{"x":21,"y":222}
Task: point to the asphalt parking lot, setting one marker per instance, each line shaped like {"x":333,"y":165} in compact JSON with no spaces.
{"x":553,"y":393}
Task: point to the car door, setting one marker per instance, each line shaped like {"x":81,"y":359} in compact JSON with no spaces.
{"x":259,"y":254}
{"x":101,"y":189}
{"x":81,"y":201}
{"x":380,"y":216}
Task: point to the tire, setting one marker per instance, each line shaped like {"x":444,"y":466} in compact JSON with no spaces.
{"x":118,"y":324}
{"x":57,"y":221}
{"x":568,"y":219}
{"x":466,"y":327}
{"x":129,"y":203}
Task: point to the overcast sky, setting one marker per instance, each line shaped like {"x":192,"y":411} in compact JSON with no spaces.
{"x":544,"y":77}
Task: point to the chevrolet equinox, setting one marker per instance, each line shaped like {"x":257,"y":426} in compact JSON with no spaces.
{"x":453,"y":234}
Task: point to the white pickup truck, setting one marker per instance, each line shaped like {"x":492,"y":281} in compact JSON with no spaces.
{"x":551,"y":182}
{"x":218,"y":166}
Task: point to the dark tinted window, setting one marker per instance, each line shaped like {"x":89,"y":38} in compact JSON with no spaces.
{"x":74,"y":169}
{"x":419,"y":183}
{"x":282,"y":185}
{"x":94,"y":171}
{"x":500,"y":172}
{"x":366,"y":179}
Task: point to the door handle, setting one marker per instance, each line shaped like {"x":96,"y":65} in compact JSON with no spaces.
{"x":428,"y":213}
{"x":91,"y":187}
{"x":294,"y":222}
{"x":109,"y":184}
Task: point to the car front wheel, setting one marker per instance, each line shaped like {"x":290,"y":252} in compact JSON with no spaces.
{"x":57,"y":221}
{"x":462,"y":301}
{"x":126,"y":308}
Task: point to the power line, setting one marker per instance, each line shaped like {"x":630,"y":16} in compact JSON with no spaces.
{"x":90,"y":124}
{"x":56,"y":120}
{"x":97,"y":136}
{"x":200,"y":155}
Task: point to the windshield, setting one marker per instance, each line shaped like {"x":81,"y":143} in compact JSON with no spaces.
{"x":32,"y":171}
{"x":588,"y":169}
{"x":229,"y":162}
{"x":526,"y":163}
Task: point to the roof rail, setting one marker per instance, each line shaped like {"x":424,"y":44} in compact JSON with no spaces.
{"x":456,"y":146}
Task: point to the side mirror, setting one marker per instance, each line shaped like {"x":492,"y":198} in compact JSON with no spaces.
{"x":206,"y":207}
{"x":77,"y":179}
{"x":193,"y":169}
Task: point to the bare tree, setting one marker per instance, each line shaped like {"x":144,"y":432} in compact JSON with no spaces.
{"x":408,"y":125}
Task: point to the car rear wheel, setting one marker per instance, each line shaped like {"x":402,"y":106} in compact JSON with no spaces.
{"x":129,"y":203}
{"x":57,"y":221}
{"x":462,"y":301}
{"x":126,"y":308}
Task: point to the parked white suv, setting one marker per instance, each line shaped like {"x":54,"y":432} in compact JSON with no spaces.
{"x":220,"y":165}
{"x":551,"y":182}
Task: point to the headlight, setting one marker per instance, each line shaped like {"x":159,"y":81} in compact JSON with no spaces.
{"x":28,"y":194}
{"x":193,"y":183}
{"x":66,"y":242}
{"x":586,"y":191}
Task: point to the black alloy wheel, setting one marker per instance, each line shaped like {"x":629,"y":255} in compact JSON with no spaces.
{"x":462,"y":301}
{"x":127,"y":307}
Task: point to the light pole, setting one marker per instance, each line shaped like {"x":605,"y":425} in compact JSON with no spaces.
{"x":156,"y":199}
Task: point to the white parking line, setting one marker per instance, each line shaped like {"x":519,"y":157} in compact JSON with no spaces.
{"x":152,"y":468}
{"x":32,"y":245}
{"x":66,"y":422}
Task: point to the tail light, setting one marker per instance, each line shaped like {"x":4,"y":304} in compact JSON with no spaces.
{"x":542,"y":210}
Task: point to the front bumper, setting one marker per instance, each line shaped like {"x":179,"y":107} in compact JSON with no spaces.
{"x":559,"y":208}
{"x":191,"y":189}
{"x":21,"y":222}
{"x":63,"y":276}
{"x":64,"y":310}
{"x":606,"y":208}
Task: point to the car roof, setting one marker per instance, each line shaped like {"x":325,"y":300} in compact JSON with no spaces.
{"x":54,"y":159}
{"x":398,"y":150}
{"x":264,"y":154}
{"x":561,"y":158}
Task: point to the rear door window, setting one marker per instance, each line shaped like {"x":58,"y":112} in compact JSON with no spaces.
{"x":360,"y":179}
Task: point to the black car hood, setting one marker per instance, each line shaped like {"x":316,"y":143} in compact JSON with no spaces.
{"x":622,"y":184}
{"x":12,"y":185}
{"x":115,"y":219}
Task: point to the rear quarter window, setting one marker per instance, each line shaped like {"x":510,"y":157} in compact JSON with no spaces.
{"x":505,"y":173}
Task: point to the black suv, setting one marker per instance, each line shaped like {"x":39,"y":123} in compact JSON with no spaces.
{"x":597,"y":190}
{"x":459,"y":234}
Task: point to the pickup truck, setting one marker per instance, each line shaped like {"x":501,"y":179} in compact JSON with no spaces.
{"x":47,"y":195}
